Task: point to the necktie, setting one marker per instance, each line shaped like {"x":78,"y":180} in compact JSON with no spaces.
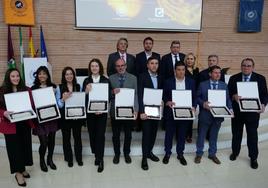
{"x":176,"y":59}
{"x":214,"y":85}
{"x":121,"y":81}
{"x":246,"y":77}
{"x":123,"y":57}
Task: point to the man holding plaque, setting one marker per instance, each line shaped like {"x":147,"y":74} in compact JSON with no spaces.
{"x":149,"y":79}
{"x":122,"y":79}
{"x":250,"y":119}
{"x":179,"y":82}
{"x":207,"y":123}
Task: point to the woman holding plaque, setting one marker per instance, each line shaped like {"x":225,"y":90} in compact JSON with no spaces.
{"x":64,"y":91}
{"x":96,"y":122}
{"x":191,"y":71}
{"x":17,"y":135}
{"x":45,"y":131}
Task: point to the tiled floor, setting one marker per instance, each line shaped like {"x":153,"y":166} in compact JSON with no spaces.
{"x":204,"y":175}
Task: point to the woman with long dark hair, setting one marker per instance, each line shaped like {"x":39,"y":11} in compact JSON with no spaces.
{"x":96,"y":123}
{"x":64,"y":91}
{"x":45,"y":131}
{"x":18,"y":136}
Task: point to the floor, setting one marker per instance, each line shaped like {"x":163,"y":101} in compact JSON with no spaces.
{"x":204,"y":175}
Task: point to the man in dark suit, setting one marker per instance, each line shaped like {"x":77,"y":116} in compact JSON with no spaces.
{"x":206,"y":119}
{"x":250,"y":119}
{"x":122,"y":45}
{"x":148,"y":79}
{"x":204,"y":74}
{"x":142,"y":57}
{"x":122,"y":79}
{"x":169,"y":60}
{"x":180,"y":127}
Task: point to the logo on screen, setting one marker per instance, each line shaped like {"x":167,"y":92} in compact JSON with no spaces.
{"x":159,"y":12}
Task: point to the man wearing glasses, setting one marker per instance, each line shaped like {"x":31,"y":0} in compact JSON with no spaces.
{"x":250,"y":119}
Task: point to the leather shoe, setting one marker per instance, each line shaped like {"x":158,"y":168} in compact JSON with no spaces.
{"x":80,"y":163}
{"x":197,"y":159}
{"x":189,"y":140}
{"x":214,"y":159}
{"x":70,"y":164}
{"x":254,"y":164}
{"x":166,"y":159}
{"x":116,"y":159}
{"x":232,"y":157}
{"x":101,"y":166}
{"x":20,"y":184}
{"x":153,"y":157}
{"x":127,"y":159}
{"x":144,"y":164}
{"x":51,"y":164}
{"x":43,"y":166}
{"x":182,"y":160}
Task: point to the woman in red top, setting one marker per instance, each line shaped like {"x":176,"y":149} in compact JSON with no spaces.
{"x":17,"y":135}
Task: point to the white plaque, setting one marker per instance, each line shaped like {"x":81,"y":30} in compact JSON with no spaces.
{"x":98,"y":98}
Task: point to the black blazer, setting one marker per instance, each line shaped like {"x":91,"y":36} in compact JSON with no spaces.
{"x":114,"y":57}
{"x":204,"y":75}
{"x":262,"y":87}
{"x":145,"y":81}
{"x":167,"y":68}
{"x":141,"y":62}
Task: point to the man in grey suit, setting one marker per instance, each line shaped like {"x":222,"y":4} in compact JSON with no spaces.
{"x":122,"y":45}
{"x":206,"y":119}
{"x":122,"y":79}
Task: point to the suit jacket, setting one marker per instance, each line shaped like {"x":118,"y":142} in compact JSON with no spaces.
{"x":262,"y":87}
{"x":170,"y":85}
{"x":145,"y":81}
{"x":114,"y":57}
{"x":204,"y":75}
{"x":167,"y":68}
{"x":141,"y":62}
{"x":130,"y":82}
{"x":202,"y":96}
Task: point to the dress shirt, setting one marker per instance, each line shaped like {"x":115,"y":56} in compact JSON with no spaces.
{"x":180,"y":84}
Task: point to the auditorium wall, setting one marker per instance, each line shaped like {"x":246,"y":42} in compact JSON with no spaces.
{"x":67,"y":46}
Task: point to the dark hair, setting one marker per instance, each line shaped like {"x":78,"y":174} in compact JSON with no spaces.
{"x":248,"y":59}
{"x":211,"y":69}
{"x":7,"y":85}
{"x":175,"y":42}
{"x":152,"y":58}
{"x":122,"y":38}
{"x":63,"y":80}
{"x":213,"y":55}
{"x":37,"y":81}
{"x":178,"y":64}
{"x":101,"y":72}
{"x":148,"y":38}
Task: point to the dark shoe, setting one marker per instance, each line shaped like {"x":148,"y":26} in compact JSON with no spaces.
{"x":70,"y":164}
{"x":26,"y":174}
{"x":101,"y":166}
{"x":189,"y":140}
{"x":166,"y":159}
{"x":20,"y":184}
{"x":232,"y":157}
{"x":116,"y":159}
{"x":254,"y":164}
{"x":51,"y":164}
{"x":43,"y":166}
{"x":153,"y":157}
{"x":182,"y":160}
{"x":197,"y":159}
{"x":144,"y":164}
{"x":127,"y":159}
{"x":214,"y":159}
{"x":80,"y":163}
{"x":96,"y":162}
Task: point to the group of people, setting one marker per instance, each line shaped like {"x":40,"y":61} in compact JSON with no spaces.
{"x":174,"y":71}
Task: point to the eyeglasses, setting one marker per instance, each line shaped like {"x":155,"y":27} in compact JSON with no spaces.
{"x":247,"y":66}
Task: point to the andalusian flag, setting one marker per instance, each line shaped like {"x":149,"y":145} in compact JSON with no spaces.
{"x":31,"y":46}
{"x":10,"y":52}
{"x":43,"y":44}
{"x":21,"y":55}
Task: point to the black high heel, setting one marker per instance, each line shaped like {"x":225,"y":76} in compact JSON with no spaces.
{"x":20,"y":184}
{"x":51,"y":164}
{"x":101,"y":166}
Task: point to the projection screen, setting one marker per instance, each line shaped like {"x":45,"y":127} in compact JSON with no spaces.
{"x":159,"y":15}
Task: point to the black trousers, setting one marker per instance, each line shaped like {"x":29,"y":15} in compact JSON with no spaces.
{"x":96,"y":126}
{"x":149,"y":131}
{"x":19,"y":148}
{"x":189,"y":133}
{"x":67,"y":127}
{"x":251,"y":122}
{"x":117,"y":125}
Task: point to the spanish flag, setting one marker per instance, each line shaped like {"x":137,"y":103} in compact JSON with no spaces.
{"x":31,"y":45}
{"x":19,"y":12}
